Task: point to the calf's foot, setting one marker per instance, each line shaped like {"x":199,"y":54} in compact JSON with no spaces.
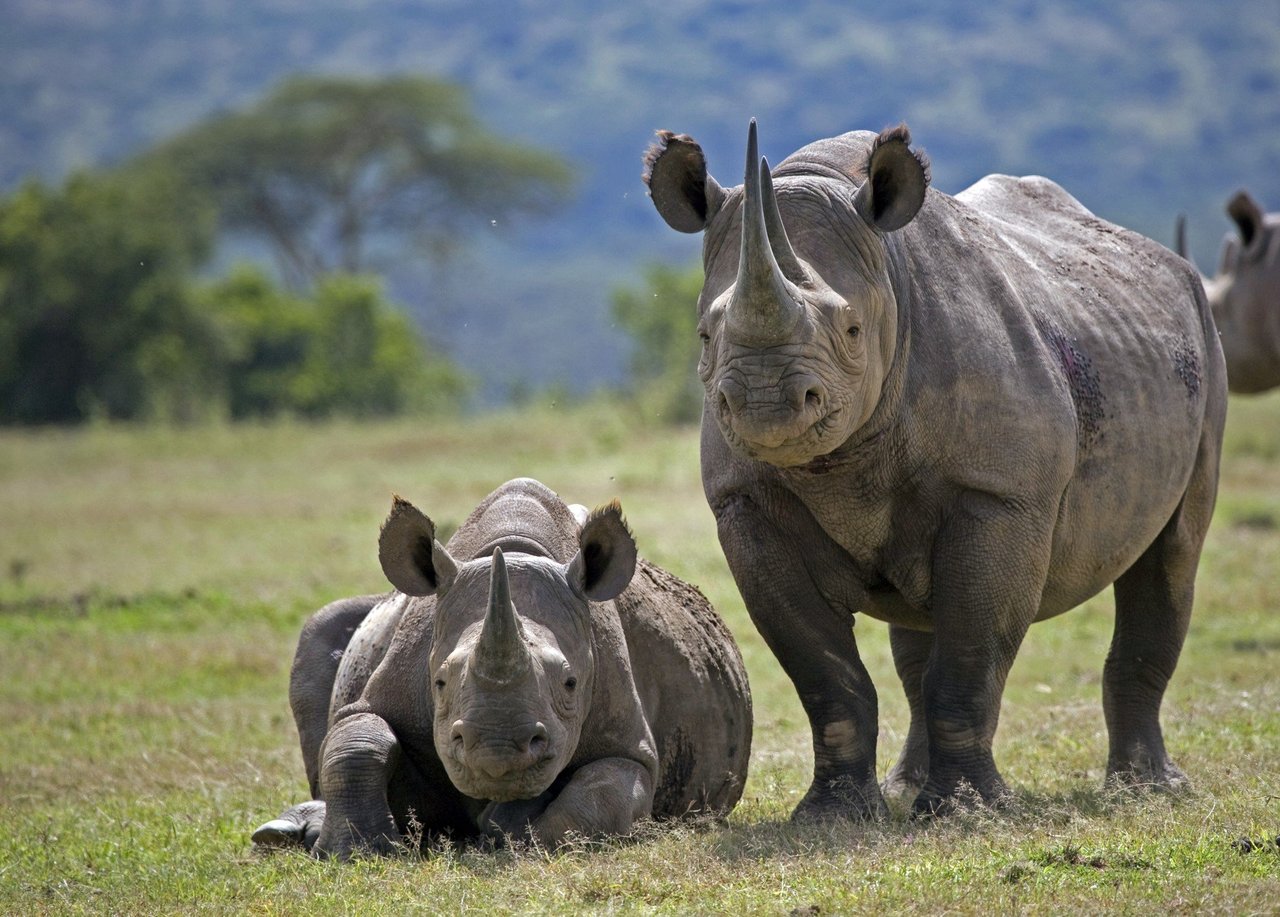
{"x":299,"y":826}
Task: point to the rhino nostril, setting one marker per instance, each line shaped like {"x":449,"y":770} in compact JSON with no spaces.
{"x":537,"y":741}
{"x":732,"y":396}
{"x":458,"y":736}
{"x":812,"y":398}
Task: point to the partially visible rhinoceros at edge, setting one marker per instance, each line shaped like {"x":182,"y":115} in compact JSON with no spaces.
{"x":959,"y":415}
{"x":533,"y":680}
{"x":1245,"y":295}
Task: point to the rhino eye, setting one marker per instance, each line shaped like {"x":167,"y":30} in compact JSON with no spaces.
{"x":570,"y":683}
{"x":439,"y":684}
{"x":853,"y":331}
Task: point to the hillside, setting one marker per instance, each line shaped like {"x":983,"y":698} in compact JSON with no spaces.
{"x":1141,"y":109}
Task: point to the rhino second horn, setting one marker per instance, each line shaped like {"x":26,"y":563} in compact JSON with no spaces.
{"x":501,"y":652}
{"x":776,"y":230}
{"x":764,"y":310}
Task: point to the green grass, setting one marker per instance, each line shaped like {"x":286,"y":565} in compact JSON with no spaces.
{"x":152,"y":583}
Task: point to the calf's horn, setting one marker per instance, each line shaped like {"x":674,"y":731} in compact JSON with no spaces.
{"x":500,"y":653}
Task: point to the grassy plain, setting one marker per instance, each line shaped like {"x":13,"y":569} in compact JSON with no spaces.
{"x":152,"y":583}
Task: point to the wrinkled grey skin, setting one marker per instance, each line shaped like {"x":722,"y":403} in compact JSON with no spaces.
{"x":958,"y":415}
{"x":1245,"y":295}
{"x":531,"y":681}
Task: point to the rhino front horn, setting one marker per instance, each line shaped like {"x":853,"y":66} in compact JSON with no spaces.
{"x":764,"y":310}
{"x":501,"y":652}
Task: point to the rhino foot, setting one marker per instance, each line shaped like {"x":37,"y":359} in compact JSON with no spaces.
{"x":841,"y":798}
{"x":297,"y":827}
{"x":960,"y":795}
{"x":903,"y":784}
{"x":1164,"y":777}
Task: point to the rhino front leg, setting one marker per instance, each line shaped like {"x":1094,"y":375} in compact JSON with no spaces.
{"x":602,"y":799}
{"x":911,"y":650}
{"x":357,"y":761}
{"x":989,"y":569}
{"x":814,"y":643}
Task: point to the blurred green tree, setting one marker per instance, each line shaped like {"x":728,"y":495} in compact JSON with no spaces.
{"x":330,"y":170}
{"x":95,"y":317}
{"x":661,"y":314}
{"x":343,"y":350}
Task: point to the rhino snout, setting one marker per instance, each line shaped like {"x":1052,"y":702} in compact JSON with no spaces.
{"x":773,"y":415}
{"x":499,"y":753}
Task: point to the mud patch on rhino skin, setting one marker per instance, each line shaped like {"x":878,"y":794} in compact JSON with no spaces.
{"x":1082,"y":381}
{"x":1187,"y":365}
{"x":676,"y":770}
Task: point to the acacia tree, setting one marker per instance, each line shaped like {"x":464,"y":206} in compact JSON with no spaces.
{"x":332,"y":170}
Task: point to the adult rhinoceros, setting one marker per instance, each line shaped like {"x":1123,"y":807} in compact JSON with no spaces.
{"x":959,"y":415}
{"x":534,"y":680}
{"x":1245,"y":295}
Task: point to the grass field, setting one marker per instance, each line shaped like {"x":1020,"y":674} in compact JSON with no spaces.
{"x":152,"y":583}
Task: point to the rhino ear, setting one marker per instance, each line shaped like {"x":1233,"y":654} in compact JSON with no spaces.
{"x":411,"y":558}
{"x":1248,"y":217}
{"x":606,"y":558}
{"x":897,"y":177}
{"x":676,"y":172}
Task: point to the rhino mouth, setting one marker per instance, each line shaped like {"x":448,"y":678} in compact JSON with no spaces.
{"x":820,"y":437}
{"x":532,"y":781}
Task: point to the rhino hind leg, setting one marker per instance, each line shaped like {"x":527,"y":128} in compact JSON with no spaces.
{"x":299,"y":826}
{"x":323,"y":640}
{"x":1153,"y":611}
{"x":911,"y":649}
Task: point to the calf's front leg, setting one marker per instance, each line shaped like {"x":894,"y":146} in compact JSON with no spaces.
{"x":603,"y":798}
{"x":359,"y":755}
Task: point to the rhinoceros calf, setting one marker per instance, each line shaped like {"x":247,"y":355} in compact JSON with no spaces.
{"x":1245,"y":295}
{"x":958,"y":415}
{"x":533,"y":680}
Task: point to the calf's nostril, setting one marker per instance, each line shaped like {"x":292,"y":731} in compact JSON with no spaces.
{"x":536,"y":742}
{"x":732,"y":396}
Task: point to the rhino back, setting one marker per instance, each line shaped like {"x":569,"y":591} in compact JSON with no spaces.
{"x":1100,"y":348}
{"x":693,"y":688}
{"x":1049,"y":359}
{"x":365,"y":652}
{"x":523,"y":515}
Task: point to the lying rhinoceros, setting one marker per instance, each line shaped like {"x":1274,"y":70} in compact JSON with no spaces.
{"x":1245,"y":296}
{"x":959,"y":415}
{"x":532,"y":680}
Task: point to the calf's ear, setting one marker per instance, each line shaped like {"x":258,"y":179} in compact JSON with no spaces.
{"x":897,"y":177}
{"x":676,"y":172}
{"x":606,"y":558}
{"x":412,"y":559}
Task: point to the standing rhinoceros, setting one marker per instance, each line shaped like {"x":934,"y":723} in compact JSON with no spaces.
{"x":532,"y":680}
{"x":1245,"y":296}
{"x":959,"y":415}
